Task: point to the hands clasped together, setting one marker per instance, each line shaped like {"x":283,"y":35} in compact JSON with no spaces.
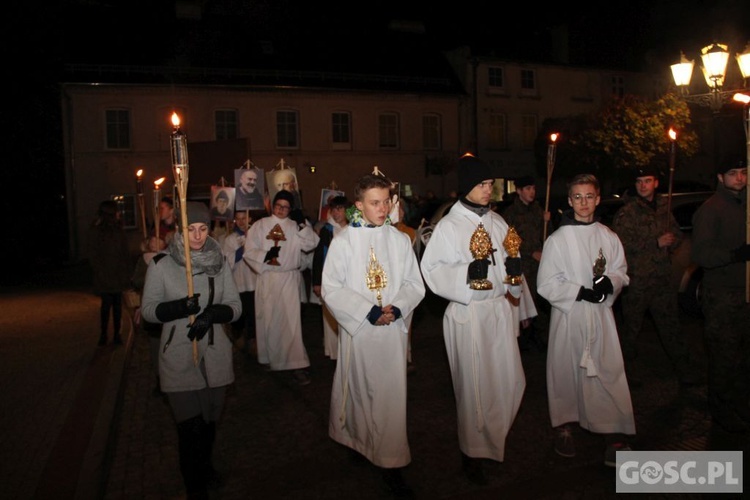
{"x":380,"y":316}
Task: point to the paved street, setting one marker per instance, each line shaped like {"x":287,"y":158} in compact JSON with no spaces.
{"x":82,"y":422}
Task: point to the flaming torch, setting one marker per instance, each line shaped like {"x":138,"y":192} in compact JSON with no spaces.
{"x":141,"y":203}
{"x":672,"y":153}
{"x":180,"y":169}
{"x":551,"y":150}
{"x":157,"y":200}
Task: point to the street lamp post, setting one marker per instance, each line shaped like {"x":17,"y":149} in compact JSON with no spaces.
{"x":715,"y":58}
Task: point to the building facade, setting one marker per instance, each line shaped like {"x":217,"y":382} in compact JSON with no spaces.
{"x":330,"y":127}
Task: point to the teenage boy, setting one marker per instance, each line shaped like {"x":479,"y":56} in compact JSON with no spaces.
{"x":582,"y":271}
{"x":371,"y":282}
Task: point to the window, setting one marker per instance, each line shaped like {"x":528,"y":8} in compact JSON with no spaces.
{"x":388,"y":130}
{"x":118,"y":128}
{"x":341,"y":130}
{"x":495,"y":77}
{"x":528,"y":131}
{"x":287,"y":129}
{"x":226,"y":124}
{"x":528,"y":82}
{"x":431,"y":132}
{"x":497,"y":132}
{"x":126,"y":206}
{"x":618,"y":86}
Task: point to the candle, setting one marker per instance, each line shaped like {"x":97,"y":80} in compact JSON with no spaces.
{"x":139,"y":181}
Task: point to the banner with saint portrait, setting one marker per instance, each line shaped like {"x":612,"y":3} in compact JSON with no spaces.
{"x":222,"y":203}
{"x":249,"y":188}
{"x":284,"y":179}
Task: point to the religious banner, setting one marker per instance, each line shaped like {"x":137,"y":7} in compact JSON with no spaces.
{"x":284,"y":179}
{"x":222,"y":201}
{"x":249,"y":188}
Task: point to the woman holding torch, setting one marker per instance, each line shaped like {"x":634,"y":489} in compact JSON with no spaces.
{"x":195,"y":391}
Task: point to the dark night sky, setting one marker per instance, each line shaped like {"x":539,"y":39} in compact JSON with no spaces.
{"x":36,"y":41}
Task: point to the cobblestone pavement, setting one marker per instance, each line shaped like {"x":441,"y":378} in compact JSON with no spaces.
{"x":273,"y":441}
{"x":83,"y":422}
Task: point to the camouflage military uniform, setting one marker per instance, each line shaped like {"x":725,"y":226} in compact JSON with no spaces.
{"x":528,"y":220}
{"x":718,"y":228}
{"x":639,"y":223}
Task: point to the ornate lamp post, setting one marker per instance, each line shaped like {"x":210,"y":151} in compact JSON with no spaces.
{"x":715,"y":58}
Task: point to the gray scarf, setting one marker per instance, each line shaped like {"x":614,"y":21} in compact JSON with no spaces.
{"x":208,"y":259}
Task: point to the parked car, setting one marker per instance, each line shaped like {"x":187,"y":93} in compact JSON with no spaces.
{"x":687,"y":276}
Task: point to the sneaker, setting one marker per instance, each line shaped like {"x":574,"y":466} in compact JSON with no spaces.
{"x":301,"y":377}
{"x":564,"y":444}
{"x":610,"y":453}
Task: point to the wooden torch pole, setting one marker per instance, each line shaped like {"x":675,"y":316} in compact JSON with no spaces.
{"x":551,"y":150}
{"x":180,"y":169}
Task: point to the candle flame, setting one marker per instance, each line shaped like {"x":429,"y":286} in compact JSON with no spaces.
{"x":175,"y":119}
{"x":158,"y":182}
{"x":743,"y":98}
{"x":672,"y":134}
{"x":139,"y":173}
{"x":553,"y":137}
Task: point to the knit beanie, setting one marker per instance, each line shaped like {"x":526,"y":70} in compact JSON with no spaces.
{"x":472,"y":171}
{"x":197,"y":212}
{"x":284,"y":195}
{"x":524,"y":181}
{"x":730,"y":162}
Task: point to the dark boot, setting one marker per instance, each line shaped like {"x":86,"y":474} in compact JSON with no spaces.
{"x":191,"y":445}
{"x":213,"y":478}
{"x":394,"y":481}
{"x":473,"y":470}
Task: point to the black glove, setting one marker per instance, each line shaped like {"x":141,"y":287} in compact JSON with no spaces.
{"x":741,"y":253}
{"x":478,"y":269}
{"x":218,"y":313}
{"x":273,"y":253}
{"x":374,"y":314}
{"x":603,"y":284}
{"x":296,"y":216}
{"x":590,"y":295}
{"x":176,"y":309}
{"x":513,"y":266}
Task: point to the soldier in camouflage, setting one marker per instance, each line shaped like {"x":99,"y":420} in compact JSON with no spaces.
{"x":649,"y":233}
{"x":720,"y":247}
{"x":525,"y":214}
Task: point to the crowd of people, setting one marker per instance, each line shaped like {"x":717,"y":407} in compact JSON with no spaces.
{"x":512,"y":282}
